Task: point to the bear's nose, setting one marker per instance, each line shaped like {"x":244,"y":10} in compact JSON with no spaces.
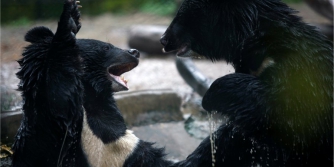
{"x":163,"y":40}
{"x":134,"y":52}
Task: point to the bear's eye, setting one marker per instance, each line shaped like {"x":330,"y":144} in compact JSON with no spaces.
{"x":105,"y":47}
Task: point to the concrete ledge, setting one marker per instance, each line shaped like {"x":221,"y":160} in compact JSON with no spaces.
{"x":149,"y":106}
{"x":137,"y":107}
{"x":172,"y":136}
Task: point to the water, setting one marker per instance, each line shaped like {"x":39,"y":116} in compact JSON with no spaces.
{"x":213,"y":135}
{"x":197,"y":127}
{"x":201,"y":127}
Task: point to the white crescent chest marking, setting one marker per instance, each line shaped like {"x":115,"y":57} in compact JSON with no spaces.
{"x":107,"y":155}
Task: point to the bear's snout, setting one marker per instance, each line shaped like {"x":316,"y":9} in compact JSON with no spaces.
{"x":134,"y":52}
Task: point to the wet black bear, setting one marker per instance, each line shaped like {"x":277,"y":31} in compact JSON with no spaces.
{"x":105,"y":139}
{"x":279,"y":100}
{"x":52,"y":92}
{"x":70,"y":115}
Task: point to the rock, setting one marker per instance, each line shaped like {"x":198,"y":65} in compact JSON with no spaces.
{"x":146,"y":38}
{"x":10,"y":122}
{"x":193,"y":77}
{"x":324,"y":8}
{"x":151,"y":106}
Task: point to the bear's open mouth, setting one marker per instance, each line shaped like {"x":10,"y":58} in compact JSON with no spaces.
{"x":115,"y":72}
{"x":183,"y":51}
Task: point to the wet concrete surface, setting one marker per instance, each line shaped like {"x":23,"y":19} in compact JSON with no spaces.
{"x":177,"y":142}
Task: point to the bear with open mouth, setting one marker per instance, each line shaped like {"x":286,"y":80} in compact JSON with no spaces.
{"x":70,"y":115}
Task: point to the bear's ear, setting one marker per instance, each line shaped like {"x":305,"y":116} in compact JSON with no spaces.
{"x":38,"y":34}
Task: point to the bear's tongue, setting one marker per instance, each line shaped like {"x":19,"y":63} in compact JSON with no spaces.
{"x":120,"y":80}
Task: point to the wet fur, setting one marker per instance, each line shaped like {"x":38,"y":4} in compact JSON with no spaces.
{"x":106,"y":140}
{"x":279,"y":100}
{"x":70,"y":115}
{"x":49,"y":134}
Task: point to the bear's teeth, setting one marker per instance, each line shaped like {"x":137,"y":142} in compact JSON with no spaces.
{"x":123,"y":79}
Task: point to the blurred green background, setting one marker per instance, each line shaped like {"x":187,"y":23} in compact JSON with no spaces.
{"x":20,"y":12}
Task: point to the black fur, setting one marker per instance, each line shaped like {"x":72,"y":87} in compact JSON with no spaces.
{"x":60,"y":76}
{"x":103,"y":116}
{"x":52,"y":92}
{"x":145,"y":155}
{"x":280,"y":114}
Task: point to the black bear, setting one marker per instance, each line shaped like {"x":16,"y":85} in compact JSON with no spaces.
{"x":106,"y":141}
{"x":50,"y":81}
{"x":279,"y":100}
{"x":70,"y":115}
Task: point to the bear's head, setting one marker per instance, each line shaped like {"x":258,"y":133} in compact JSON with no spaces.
{"x":103,"y":64}
{"x":216,"y":28}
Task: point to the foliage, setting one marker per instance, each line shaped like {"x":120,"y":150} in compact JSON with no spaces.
{"x":48,"y":9}
{"x":159,"y":7}
{"x":22,"y":21}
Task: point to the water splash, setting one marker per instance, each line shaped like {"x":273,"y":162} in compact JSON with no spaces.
{"x":213,"y":135}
